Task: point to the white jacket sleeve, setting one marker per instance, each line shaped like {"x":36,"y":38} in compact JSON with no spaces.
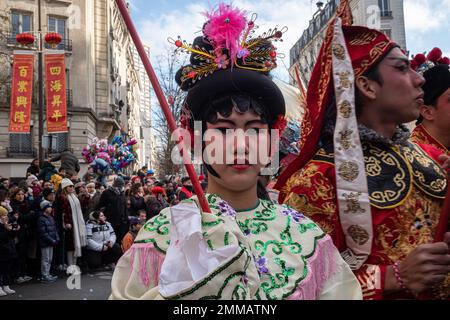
{"x":91,"y":244}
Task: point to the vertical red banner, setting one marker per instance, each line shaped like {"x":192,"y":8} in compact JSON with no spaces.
{"x":55,"y":91}
{"x":21,"y":93}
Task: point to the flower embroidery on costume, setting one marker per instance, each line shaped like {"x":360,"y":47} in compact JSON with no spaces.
{"x":296,"y":216}
{"x":261,"y":265}
{"x":226,"y":210}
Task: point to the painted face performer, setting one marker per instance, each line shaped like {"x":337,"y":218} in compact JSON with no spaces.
{"x":377,"y":195}
{"x":433,"y":125}
{"x":246,"y":248}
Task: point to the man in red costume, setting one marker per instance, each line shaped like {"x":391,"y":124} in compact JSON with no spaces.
{"x":433,"y":128}
{"x":378,"y":195}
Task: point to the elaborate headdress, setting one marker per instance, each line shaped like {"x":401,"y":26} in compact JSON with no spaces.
{"x":230,"y":58}
{"x":348,"y":52}
{"x":435,"y":69}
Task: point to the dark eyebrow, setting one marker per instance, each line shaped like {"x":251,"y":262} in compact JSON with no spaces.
{"x":258,"y":122}
{"x":406,"y":60}
{"x":225,"y":121}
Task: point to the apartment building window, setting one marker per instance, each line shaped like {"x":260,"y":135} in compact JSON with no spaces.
{"x":21,"y":145}
{"x":58,"y":25}
{"x":385,"y":8}
{"x":20,"y":22}
{"x":59,"y":143}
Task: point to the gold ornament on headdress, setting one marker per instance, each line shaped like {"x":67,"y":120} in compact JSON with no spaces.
{"x":256,"y":53}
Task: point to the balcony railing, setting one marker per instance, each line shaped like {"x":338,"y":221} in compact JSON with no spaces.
{"x":66,"y":44}
{"x":11,"y":40}
{"x":21,"y":152}
{"x":386,"y":13}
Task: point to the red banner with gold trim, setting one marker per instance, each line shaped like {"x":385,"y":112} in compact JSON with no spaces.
{"x":21,"y":93}
{"x":55,"y":91}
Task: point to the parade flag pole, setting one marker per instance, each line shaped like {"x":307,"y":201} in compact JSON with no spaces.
{"x":162,"y":102}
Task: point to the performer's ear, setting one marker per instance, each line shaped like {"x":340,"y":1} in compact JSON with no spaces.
{"x":366,"y":87}
{"x":427,"y":112}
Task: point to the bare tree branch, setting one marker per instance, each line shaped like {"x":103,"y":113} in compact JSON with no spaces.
{"x":167,"y":66}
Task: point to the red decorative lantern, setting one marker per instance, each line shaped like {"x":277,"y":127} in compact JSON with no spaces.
{"x":53,"y":39}
{"x":25,"y":39}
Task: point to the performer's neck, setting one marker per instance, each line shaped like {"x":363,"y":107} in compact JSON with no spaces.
{"x":441,"y":137}
{"x":239,"y":201}
{"x":382,"y":126}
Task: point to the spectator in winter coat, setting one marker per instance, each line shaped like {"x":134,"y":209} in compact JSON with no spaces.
{"x":137,"y":201}
{"x":94,"y":196}
{"x":7,"y":253}
{"x":47,"y":171}
{"x":34,"y":168}
{"x":69,"y":163}
{"x":128,"y":240}
{"x":48,"y":239}
{"x":102,"y":248}
{"x":90,"y":175}
{"x":69,"y":210}
{"x":49,"y":195}
{"x":26,"y":219}
{"x":113,"y":203}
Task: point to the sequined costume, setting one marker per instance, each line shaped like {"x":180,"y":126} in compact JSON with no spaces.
{"x":279,"y":254}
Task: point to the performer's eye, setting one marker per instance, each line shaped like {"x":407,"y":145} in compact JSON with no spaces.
{"x":402,"y":67}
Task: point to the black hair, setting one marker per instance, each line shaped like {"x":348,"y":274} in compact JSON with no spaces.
{"x":225,"y":104}
{"x":185,"y":179}
{"x":372,"y":74}
{"x":3,"y":194}
{"x":96,"y":214}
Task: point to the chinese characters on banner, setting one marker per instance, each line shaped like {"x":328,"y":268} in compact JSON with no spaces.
{"x":21,"y":93}
{"x":55,"y":91}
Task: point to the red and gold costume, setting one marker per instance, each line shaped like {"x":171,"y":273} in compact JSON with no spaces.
{"x":405,"y":189}
{"x":421,"y":136}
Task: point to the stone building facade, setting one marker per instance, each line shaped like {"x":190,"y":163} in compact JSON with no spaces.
{"x":102,"y":83}
{"x":384,"y":15}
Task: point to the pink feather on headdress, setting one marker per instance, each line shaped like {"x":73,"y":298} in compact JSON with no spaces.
{"x":224,"y":28}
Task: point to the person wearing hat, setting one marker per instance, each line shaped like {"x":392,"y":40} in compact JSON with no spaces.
{"x":433,"y":125}
{"x":48,"y":239}
{"x":71,"y":215}
{"x":246,"y":245}
{"x":94,"y":196}
{"x":358,"y":176}
{"x":7,"y":253}
{"x":113,"y":203}
{"x":49,"y":195}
